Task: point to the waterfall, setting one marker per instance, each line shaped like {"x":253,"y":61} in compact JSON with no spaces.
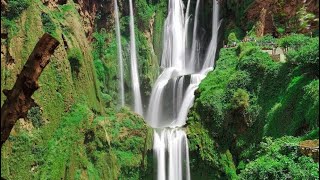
{"x":134,"y":69}
{"x":211,"y":52}
{"x":120,"y":59}
{"x":193,"y":59}
{"x":175,"y":143}
{"x":173,"y":92}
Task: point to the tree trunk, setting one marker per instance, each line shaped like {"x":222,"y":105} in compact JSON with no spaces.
{"x":19,"y":99}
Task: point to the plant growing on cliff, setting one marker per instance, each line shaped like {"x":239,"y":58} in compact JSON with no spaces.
{"x":240,"y":100}
{"x":232,"y":38}
{"x":15,"y":8}
{"x":48,"y":24}
{"x":278,"y":159}
{"x":35,"y":115}
{"x":145,"y":15}
{"x":75,"y":58}
{"x":307,"y":56}
{"x":305,"y":18}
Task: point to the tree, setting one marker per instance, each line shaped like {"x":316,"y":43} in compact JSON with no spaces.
{"x":19,"y":99}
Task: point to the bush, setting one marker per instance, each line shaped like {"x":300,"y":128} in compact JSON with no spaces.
{"x":100,"y":69}
{"x":232,"y":38}
{"x":307,"y":56}
{"x":48,"y":24}
{"x":143,"y":17}
{"x":240,"y":100}
{"x":35,"y":115}
{"x":278,"y":159}
{"x":294,"y":41}
{"x":266,"y":41}
{"x":75,"y":58}
{"x":281,"y":31}
{"x":15,"y":8}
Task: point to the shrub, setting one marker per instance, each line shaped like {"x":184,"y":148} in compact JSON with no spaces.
{"x":75,"y":58}
{"x":232,"y":38}
{"x":294,"y":41}
{"x":35,"y":115}
{"x":281,"y":31}
{"x":240,"y":100}
{"x":48,"y":24}
{"x":16,"y":7}
{"x":266,"y":41}
{"x":307,"y":56}
{"x":144,"y":16}
{"x":100,"y":69}
{"x":278,"y":160}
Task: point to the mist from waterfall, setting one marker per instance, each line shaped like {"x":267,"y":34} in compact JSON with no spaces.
{"x":120,"y":58}
{"x":134,"y":68}
{"x":183,"y":68}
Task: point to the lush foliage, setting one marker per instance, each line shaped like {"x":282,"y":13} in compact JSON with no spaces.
{"x":307,"y":56}
{"x":34,"y":114}
{"x":294,"y":41}
{"x":48,"y":24}
{"x":249,"y":96}
{"x":15,"y":8}
{"x":279,"y":159}
{"x":75,"y":58}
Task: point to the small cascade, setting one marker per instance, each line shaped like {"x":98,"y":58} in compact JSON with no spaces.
{"x":175,"y":143}
{"x":173,"y":93}
{"x":120,"y":59}
{"x":134,"y":68}
{"x":212,"y":49}
{"x":193,"y":57}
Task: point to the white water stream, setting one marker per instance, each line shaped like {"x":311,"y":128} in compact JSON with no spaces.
{"x":120,"y":59}
{"x":134,"y":68}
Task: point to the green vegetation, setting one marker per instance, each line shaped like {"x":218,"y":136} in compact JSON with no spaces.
{"x":35,"y":115}
{"x":15,"y":8}
{"x":249,"y":97}
{"x":48,"y":25}
{"x":161,"y":11}
{"x":238,"y":9}
{"x":279,"y":159}
{"x":106,"y":63}
{"x":144,"y":16}
{"x":75,"y":58}
{"x":12,"y":13}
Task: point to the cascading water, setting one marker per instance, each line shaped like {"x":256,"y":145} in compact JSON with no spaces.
{"x":173,"y":92}
{"x":134,"y":69}
{"x":211,"y":52}
{"x":120,"y":59}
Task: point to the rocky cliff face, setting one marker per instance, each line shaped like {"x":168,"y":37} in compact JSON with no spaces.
{"x":274,"y":17}
{"x":273,"y":14}
{"x":95,"y":14}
